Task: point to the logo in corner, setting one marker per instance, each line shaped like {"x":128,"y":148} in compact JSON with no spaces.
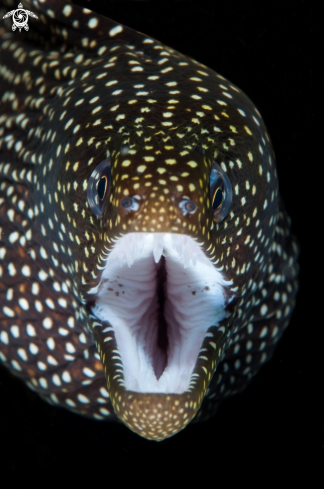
{"x":20,"y":18}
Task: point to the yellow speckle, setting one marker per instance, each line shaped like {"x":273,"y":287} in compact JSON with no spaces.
{"x":192,"y":163}
{"x":248,"y":130}
{"x":141,"y":168}
{"x":126,"y":162}
{"x":170,"y":161}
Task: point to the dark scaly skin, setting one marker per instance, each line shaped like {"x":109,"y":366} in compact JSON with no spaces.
{"x":52,"y":244}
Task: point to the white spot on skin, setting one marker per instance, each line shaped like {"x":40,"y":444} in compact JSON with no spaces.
{"x":50,"y":303}
{"x":54,"y":398}
{"x":51,"y":360}
{"x":16,"y":365}
{"x":47,"y":323}
{"x":115,"y":30}
{"x":50,"y":343}
{"x":62,"y":302}
{"x":83,"y":399}
{"x":104,"y":392}
{"x":82,"y":338}
{"x":23,"y":304}
{"x":88,"y":372}
{"x":33,"y":348}
{"x":264,"y":310}
{"x":26,"y":271}
{"x":70,"y":348}
{"x":70,"y":403}
{"x":30,"y":330}
{"x":22,"y":353}
{"x":43,"y":382}
{"x":263,"y":332}
{"x":67,"y":10}
{"x":41,"y":365}
{"x":14,"y":330}
{"x":9,"y":295}
{"x":4,"y":337}
{"x":11,"y":269}
{"x":66,"y":377}
{"x":8,"y":312}
{"x":71,"y":322}
{"x":13,"y":237}
{"x":42,"y":275}
{"x":93,"y":23}
{"x":63,"y":331}
{"x":56,"y":380}
{"x":104,"y":411}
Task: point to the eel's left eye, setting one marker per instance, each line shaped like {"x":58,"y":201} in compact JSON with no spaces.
{"x":221,"y":193}
{"x":99,"y":187}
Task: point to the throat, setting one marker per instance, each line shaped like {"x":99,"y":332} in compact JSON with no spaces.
{"x":160,"y":362}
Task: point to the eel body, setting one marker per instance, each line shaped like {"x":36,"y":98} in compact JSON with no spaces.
{"x":147,"y":269}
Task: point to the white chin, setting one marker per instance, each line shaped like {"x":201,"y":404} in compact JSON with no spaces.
{"x":160,"y":308}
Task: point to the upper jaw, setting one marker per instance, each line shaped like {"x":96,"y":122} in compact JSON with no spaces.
{"x":128,"y":300}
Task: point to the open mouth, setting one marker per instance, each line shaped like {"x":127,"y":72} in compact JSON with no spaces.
{"x":160,"y":294}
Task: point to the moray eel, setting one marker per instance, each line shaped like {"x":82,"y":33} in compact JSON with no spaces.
{"x":147,"y":265}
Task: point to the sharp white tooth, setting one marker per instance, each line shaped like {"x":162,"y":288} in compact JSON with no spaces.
{"x":176,"y":242}
{"x":129,"y":257}
{"x":184,"y":256}
{"x":157,"y":248}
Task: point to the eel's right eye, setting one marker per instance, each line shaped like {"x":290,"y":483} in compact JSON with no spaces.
{"x":98,"y":187}
{"x":221,"y":193}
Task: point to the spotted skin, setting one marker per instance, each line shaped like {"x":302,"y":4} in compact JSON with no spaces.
{"x":75,"y":90}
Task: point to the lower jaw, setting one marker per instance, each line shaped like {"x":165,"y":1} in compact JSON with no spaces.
{"x":157,"y":416}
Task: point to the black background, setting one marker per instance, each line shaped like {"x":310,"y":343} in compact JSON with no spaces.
{"x":268,"y":50}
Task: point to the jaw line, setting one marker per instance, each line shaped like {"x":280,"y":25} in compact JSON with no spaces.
{"x":126,"y":298}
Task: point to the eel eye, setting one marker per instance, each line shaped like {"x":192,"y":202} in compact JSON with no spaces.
{"x":221,"y":193}
{"x":130,"y":203}
{"x":99,"y":187}
{"x":187,"y":206}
